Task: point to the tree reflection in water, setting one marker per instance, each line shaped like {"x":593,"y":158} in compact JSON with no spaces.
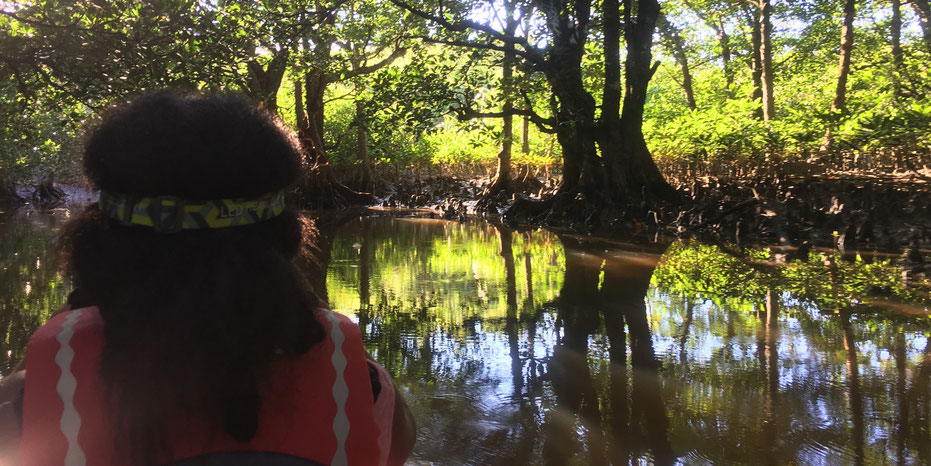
{"x":606,"y":291}
{"x":550,"y":349}
{"x":459,"y":301}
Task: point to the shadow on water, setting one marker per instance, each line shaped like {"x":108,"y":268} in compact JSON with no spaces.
{"x":533,"y":347}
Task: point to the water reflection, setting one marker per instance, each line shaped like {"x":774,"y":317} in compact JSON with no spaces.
{"x":602,"y":312}
{"x":535,"y":347}
{"x":29,"y":285}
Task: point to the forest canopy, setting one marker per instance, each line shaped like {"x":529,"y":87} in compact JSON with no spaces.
{"x":599,"y":91}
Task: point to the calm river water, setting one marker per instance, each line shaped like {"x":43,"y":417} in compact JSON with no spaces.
{"x":547,"y":348}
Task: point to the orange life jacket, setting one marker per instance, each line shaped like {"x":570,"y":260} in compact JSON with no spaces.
{"x":319,"y":406}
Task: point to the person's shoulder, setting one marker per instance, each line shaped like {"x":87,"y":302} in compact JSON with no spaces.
{"x":331,"y":319}
{"x":71,"y":321}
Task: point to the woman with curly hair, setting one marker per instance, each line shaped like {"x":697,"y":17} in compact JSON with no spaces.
{"x":192,"y":337}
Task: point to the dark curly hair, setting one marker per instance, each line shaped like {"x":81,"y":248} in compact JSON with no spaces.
{"x":192,"y":319}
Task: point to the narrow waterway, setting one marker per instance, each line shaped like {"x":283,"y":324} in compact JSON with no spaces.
{"x":544,"y":348}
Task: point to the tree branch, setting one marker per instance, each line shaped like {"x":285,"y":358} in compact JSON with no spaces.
{"x":653,"y":69}
{"x":341,"y":97}
{"x":366,"y":69}
{"x":469,"y":113}
{"x":530,"y":52}
{"x":474,"y":45}
{"x":45,"y":77}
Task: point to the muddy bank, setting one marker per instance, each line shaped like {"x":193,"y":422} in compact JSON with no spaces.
{"x":45,"y":194}
{"x":890,"y":212}
{"x":850,"y":211}
{"x":885,"y":211}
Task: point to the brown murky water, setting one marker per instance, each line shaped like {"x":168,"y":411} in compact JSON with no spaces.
{"x":542,"y":348}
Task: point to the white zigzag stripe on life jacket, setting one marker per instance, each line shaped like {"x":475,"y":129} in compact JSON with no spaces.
{"x":340,"y":392}
{"x":66,"y":386}
{"x":317,"y":406}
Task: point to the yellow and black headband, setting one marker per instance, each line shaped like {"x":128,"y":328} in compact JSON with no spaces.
{"x":169,"y":214}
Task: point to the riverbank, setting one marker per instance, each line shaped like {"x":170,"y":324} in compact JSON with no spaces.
{"x":889,"y":210}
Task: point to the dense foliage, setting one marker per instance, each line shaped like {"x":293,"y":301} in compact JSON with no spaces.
{"x":390,"y":84}
{"x":887,"y":102}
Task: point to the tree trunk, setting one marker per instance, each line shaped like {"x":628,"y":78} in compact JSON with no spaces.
{"x":923,"y":8}
{"x":525,"y":124}
{"x":895,"y":31}
{"x":574,"y":106}
{"x":320,"y":189}
{"x":611,"y":102}
{"x":525,"y":136}
{"x":264,"y":83}
{"x":766,"y":55}
{"x":756,"y":61}
{"x":300,"y":118}
{"x":612,"y":137}
{"x":625,"y":174}
{"x":503,"y":173}
{"x":633,"y":171}
{"x":675,"y":45}
{"x":846,"y":47}
{"x":315,"y":83}
{"x":367,"y":176}
{"x":501,"y":184}
{"x":575,"y":116}
{"x":840,"y":94}
{"x":725,"y":42}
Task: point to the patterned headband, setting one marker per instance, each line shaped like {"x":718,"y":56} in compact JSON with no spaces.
{"x":169,"y":214}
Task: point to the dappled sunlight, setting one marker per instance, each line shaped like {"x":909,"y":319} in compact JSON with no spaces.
{"x":616,"y":168}
{"x":744,"y":356}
